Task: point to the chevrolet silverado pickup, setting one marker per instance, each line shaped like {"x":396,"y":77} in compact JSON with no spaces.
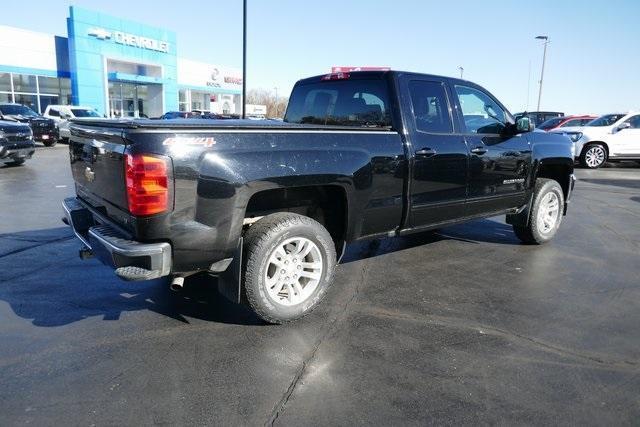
{"x":16,"y":143}
{"x":42,"y":128}
{"x":268,"y":207}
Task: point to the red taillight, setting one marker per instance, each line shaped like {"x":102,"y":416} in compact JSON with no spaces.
{"x":335,"y":76}
{"x":147,"y":184}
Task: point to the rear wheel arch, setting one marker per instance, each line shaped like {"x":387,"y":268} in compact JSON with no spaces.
{"x":326,"y":204}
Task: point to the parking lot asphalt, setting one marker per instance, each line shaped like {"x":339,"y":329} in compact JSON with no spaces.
{"x":462,"y":326}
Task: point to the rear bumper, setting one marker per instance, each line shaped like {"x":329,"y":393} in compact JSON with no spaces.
{"x":131,"y":260}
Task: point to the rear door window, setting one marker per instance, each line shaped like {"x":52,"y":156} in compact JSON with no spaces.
{"x":346,"y":102}
{"x":430,"y":107}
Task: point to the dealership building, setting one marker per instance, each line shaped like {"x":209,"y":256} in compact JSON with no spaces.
{"x":117,"y":66}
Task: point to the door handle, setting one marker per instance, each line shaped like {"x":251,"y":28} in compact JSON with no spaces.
{"x":480,"y":150}
{"x":425,"y":152}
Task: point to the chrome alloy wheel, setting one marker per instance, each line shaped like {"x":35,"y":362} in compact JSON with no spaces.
{"x":594,"y":156}
{"x":548,"y":212}
{"x":293,"y":271}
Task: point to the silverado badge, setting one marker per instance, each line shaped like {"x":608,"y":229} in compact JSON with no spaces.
{"x":89,"y":174}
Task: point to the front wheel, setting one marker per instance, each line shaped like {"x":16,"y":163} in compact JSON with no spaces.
{"x":50,"y":142}
{"x":546,"y":213}
{"x":288,"y":266}
{"x":593,"y":156}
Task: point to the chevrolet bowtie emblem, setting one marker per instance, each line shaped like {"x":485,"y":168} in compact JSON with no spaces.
{"x":89,"y":174}
{"x":99,"y":33}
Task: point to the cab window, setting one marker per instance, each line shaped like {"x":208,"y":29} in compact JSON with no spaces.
{"x":357,"y":102}
{"x":54,"y":113}
{"x":481,"y":113}
{"x":430,"y":107}
{"x":574,"y":122}
{"x":634,"y":122}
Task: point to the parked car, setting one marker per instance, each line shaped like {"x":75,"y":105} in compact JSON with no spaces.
{"x":16,"y":142}
{"x":539,"y":117}
{"x":43,"y":129}
{"x":61,"y":114}
{"x":269,"y":206}
{"x":176,"y":115}
{"x":612,"y":137}
{"x":565,"y":121}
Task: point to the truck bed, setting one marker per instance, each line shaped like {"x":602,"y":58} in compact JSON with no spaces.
{"x":204,"y":124}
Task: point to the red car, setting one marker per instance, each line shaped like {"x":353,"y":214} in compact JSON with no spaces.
{"x":566,"y":121}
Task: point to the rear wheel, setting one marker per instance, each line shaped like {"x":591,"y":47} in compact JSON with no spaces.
{"x":50,"y":142}
{"x":593,"y":156}
{"x":546,"y":213}
{"x":289,"y":263}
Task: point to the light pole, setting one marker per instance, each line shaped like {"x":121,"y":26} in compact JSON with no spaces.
{"x":544,"y":58}
{"x":461,"y":71}
{"x":244,"y":59}
{"x":276,"y":89}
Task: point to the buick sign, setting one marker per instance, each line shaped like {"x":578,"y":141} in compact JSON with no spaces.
{"x":129,"y":39}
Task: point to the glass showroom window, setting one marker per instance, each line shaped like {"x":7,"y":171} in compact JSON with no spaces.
{"x":25,"y":83}
{"x":5,"y":87}
{"x":30,"y":101}
{"x":36,"y":92}
{"x":183,"y":104}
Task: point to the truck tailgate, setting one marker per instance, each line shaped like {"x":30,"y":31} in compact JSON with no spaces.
{"x":97,"y":164}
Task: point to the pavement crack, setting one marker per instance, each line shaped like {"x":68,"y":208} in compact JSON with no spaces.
{"x":329,"y":330}
{"x":17,"y":251}
{"x":510,"y":335}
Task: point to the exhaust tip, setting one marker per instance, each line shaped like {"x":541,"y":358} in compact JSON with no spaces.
{"x":85,"y":253}
{"x":177,"y":284}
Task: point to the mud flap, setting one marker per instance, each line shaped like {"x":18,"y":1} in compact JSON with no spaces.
{"x":229,"y":281}
{"x":520,"y":218}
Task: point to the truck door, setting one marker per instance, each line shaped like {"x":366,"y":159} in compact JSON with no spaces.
{"x":438,"y":184}
{"x":498,"y":163}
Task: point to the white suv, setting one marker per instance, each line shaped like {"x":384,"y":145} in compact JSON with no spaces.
{"x":608,"y":138}
{"x":62,"y":113}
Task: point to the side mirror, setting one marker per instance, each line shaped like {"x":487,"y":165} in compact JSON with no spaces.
{"x":524,"y":124}
{"x":623,"y":126}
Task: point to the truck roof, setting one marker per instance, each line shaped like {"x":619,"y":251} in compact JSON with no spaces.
{"x":380,"y":74}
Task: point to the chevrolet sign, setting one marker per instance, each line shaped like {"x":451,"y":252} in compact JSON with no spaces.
{"x":129,"y":39}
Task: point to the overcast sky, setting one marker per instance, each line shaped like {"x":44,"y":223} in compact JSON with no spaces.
{"x":593,"y":60}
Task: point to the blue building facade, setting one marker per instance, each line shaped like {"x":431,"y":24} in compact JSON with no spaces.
{"x":116,"y":66}
{"x":111,"y":59}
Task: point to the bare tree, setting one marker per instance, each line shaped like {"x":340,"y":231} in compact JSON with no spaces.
{"x":268,"y":98}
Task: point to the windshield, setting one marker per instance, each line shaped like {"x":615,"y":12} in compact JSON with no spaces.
{"x":606,"y":120}
{"x":551,"y":123}
{"x":357,"y":102}
{"x":17,"y":110}
{"x":82,"y":112}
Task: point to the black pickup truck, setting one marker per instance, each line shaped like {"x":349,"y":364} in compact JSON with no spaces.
{"x":16,"y":142}
{"x":268,"y":207}
{"x":42,"y":128}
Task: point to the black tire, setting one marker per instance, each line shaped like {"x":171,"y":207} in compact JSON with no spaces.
{"x":596,"y":149}
{"x":260,"y":241}
{"x":18,"y":162}
{"x":50,"y":143}
{"x":535,"y":233}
